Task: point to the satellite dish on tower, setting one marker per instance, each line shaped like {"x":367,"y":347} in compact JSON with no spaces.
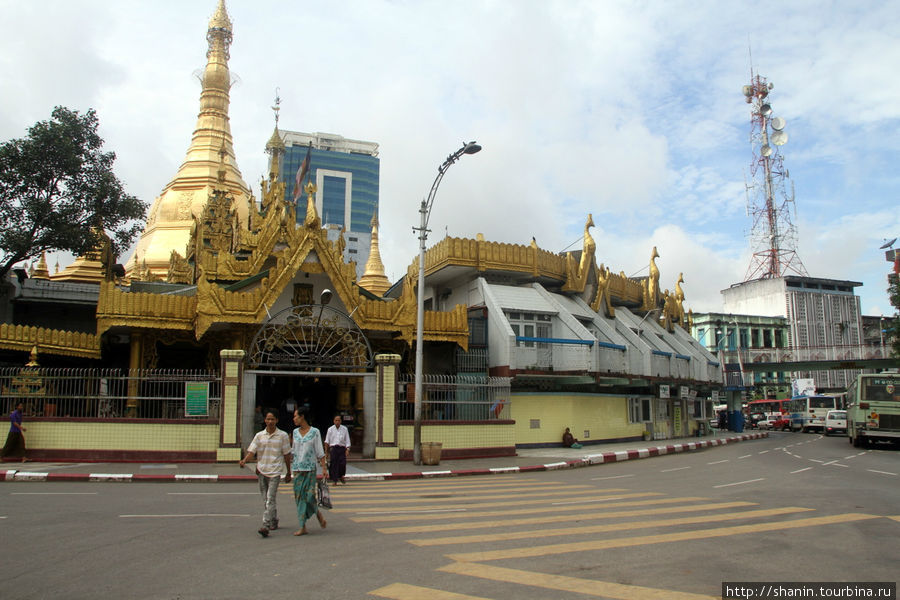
{"x":766,"y":150}
{"x":748,"y":91}
{"x":765,"y":110}
{"x":888,"y":244}
{"x":778,"y":123}
{"x":779,"y":138}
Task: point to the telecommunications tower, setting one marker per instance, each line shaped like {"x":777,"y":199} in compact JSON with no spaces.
{"x":773,"y":238}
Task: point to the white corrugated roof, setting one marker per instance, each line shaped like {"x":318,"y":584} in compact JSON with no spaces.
{"x":520,"y":298}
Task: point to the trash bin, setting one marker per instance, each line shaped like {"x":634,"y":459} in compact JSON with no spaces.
{"x":701,"y":429}
{"x":431,"y":453}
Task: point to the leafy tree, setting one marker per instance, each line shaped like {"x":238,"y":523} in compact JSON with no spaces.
{"x":58,"y":192}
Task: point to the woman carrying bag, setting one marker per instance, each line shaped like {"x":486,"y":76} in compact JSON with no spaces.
{"x":307,"y":452}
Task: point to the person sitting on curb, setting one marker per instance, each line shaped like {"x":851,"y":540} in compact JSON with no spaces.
{"x":569,"y":441}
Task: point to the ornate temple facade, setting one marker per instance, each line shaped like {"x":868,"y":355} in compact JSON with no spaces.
{"x":520,"y":342}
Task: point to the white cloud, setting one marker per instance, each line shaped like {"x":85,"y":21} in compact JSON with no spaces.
{"x":629,"y":110}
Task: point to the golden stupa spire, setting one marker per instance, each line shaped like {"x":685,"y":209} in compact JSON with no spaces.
{"x":169,"y":222}
{"x":41,"y":271}
{"x":275,"y":145}
{"x":374,"y":279}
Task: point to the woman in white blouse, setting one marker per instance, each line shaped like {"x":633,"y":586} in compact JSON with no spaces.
{"x":307,"y":451}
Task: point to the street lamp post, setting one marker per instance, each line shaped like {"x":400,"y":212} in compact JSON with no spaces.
{"x":424,"y":214}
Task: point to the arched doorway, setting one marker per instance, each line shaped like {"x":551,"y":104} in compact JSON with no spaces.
{"x":316,"y":355}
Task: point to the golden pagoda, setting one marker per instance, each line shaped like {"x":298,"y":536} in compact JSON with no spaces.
{"x":374,"y":280}
{"x":172,"y":214}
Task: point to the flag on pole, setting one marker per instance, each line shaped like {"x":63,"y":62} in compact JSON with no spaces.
{"x":301,"y":173}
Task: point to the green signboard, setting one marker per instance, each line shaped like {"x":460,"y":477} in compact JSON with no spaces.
{"x":196,"y":398}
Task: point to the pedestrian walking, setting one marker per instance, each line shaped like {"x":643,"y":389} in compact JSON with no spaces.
{"x":272,"y":447}
{"x":337,"y":448}
{"x":307,"y":452}
{"x":15,"y":439}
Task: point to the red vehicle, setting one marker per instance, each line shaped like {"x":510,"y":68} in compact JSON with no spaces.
{"x":781,"y":422}
{"x":775,"y":411}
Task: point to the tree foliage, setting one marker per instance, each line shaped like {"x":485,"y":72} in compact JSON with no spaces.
{"x":58,"y":192}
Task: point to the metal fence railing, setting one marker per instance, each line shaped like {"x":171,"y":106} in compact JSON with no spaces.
{"x":110,"y":393}
{"x":456,"y":398}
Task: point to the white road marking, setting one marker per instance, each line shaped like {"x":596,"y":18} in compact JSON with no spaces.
{"x":675,"y":469}
{"x":763,"y":452}
{"x":881,"y":472}
{"x":197,"y":515}
{"x":53,"y":493}
{"x":744,"y":456}
{"x":717,"y":462}
{"x":610,"y":477}
{"x":739,"y":482}
{"x":801,"y":470}
{"x":817,"y":460}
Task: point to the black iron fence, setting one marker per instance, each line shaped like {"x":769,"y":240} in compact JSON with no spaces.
{"x":456,"y":398}
{"x":111,"y":393}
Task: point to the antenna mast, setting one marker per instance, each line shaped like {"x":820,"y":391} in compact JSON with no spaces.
{"x":773,"y":237}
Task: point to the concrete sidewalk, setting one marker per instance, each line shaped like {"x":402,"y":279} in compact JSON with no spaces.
{"x":526,"y":460}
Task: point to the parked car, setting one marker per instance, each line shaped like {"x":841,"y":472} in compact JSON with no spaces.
{"x":836,"y":422}
{"x":775,"y":422}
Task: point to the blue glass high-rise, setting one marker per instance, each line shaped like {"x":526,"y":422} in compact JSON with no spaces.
{"x":346,"y":174}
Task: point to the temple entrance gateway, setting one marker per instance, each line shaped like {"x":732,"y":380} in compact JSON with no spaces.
{"x":312,"y":354}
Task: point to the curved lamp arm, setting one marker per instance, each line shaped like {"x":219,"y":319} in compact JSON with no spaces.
{"x":469,"y":148}
{"x":424,"y":214}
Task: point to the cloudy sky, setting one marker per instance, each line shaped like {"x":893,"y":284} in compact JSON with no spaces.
{"x":631,"y":111}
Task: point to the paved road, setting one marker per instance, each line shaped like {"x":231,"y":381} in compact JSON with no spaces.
{"x":792,"y":507}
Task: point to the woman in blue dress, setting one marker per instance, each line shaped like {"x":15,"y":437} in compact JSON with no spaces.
{"x":307,"y":450}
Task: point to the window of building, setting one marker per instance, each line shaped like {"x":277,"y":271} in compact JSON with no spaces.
{"x":639,"y":410}
{"x":529,"y":325}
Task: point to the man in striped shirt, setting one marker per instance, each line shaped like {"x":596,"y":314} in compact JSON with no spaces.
{"x":272,"y":446}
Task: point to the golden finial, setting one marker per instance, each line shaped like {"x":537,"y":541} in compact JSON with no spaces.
{"x":33,"y":358}
{"x":220,"y":19}
{"x":312,"y":217}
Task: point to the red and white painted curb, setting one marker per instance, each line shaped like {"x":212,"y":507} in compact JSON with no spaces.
{"x":588,"y":460}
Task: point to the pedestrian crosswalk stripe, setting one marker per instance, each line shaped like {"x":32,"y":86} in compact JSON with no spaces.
{"x":518,"y":511}
{"x":403,"y":591}
{"x":469,"y":503}
{"x":591,"y":516}
{"x":568,"y":547}
{"x":452,"y":497}
{"x":364,"y":487}
{"x":575,"y":585}
{"x":583,"y":530}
